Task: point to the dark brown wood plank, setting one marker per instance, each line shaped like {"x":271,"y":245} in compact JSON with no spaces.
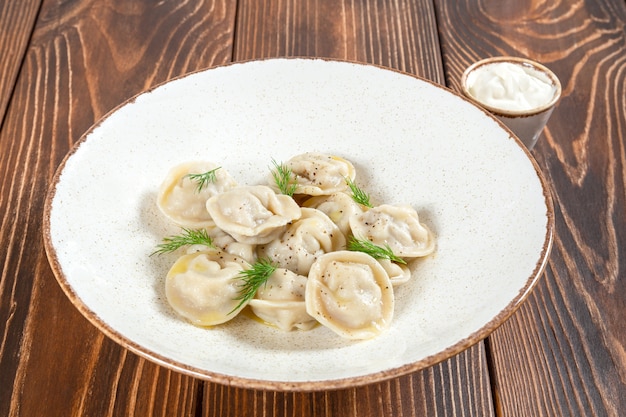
{"x":400,"y":35}
{"x":17,"y":20}
{"x":85,"y":58}
{"x":456,"y":387}
{"x":563,"y":352}
{"x":403,"y":36}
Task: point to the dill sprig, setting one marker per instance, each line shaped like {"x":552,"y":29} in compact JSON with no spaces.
{"x":203,"y":179}
{"x":283,"y":178}
{"x":375,"y":251}
{"x":358,"y":194}
{"x":253,"y":278}
{"x":188,"y":237}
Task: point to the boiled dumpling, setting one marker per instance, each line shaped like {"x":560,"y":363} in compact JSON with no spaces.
{"x":229,"y":244}
{"x":339,"y":207}
{"x":350,"y":293}
{"x":320,"y":174}
{"x":180,"y":199}
{"x":253,"y":214}
{"x":203,"y":287}
{"x":280,"y":301}
{"x":304,"y":241}
{"x":397,"y":226}
{"x":398,"y":273}
{"x":223,"y":241}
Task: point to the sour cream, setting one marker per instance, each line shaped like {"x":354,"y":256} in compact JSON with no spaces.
{"x":510,"y":86}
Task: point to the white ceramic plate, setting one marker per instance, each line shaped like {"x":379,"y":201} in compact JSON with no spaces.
{"x":411,"y":142}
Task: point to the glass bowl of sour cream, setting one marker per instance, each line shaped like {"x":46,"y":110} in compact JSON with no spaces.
{"x":520,"y":92}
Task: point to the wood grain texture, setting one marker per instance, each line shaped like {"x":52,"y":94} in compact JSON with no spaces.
{"x":17,"y":20}
{"x":570,"y":337}
{"x":563,"y":353}
{"x":456,"y":387}
{"x":84,"y":58}
{"x":400,"y":34}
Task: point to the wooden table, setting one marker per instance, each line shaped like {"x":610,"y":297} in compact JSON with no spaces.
{"x":64,"y":64}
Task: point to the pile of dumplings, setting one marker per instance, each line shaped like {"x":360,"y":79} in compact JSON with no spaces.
{"x":317,"y":280}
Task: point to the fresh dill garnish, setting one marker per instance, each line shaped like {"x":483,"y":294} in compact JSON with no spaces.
{"x":375,"y":251}
{"x":203,"y":179}
{"x":283,"y":178}
{"x":253,"y":278}
{"x":186,"y":238}
{"x":358,"y":194}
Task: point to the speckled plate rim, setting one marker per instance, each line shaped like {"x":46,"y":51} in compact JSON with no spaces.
{"x":332,"y":384}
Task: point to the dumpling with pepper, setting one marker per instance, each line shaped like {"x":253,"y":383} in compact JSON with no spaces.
{"x":351,"y":294}
{"x":396,"y":226}
{"x":253,"y":214}
{"x":316,"y":173}
{"x":304,"y":240}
